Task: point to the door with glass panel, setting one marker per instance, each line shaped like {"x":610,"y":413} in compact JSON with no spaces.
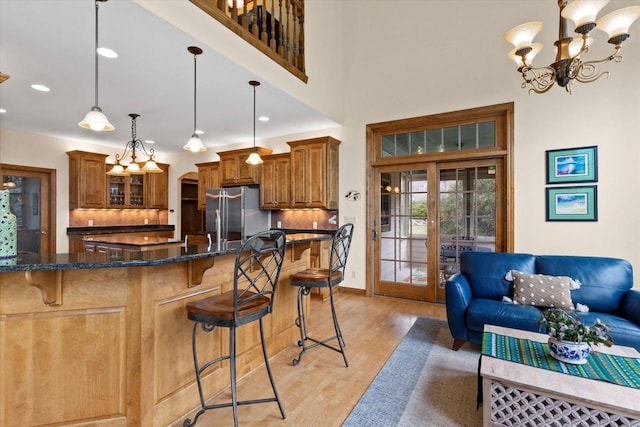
{"x":405,"y":227}
{"x":427,"y":217}
{"x":30,"y":199}
{"x":470,"y":213}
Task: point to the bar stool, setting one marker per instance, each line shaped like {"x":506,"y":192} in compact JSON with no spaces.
{"x":323,"y":278}
{"x":257,"y":269}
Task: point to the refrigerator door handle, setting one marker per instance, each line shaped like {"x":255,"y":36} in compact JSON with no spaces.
{"x":218,"y":231}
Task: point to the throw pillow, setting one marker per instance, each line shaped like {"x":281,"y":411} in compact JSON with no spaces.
{"x":542,"y":290}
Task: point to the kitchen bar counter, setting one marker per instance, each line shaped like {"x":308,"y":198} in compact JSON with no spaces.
{"x":87,"y":339}
{"x":89,"y":260}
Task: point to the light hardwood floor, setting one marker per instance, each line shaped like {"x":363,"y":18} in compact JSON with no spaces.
{"x":321,"y":391}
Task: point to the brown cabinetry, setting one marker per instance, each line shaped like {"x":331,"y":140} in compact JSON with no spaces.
{"x":275,"y":188}
{"x":139,"y":191}
{"x":314,"y":173}
{"x":208,"y":177}
{"x":87,"y":180}
{"x":157,"y":188}
{"x":234,"y":169}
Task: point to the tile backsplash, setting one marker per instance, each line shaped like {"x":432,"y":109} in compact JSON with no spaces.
{"x":108,"y":217}
{"x":304,"y":219}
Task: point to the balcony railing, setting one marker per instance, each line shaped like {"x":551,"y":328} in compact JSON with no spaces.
{"x":275,"y":27}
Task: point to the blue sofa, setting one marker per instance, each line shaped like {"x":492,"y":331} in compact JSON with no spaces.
{"x":474,"y":296}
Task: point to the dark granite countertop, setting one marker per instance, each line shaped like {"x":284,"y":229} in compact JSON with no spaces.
{"x":133,"y":240}
{"x":88,"y":260}
{"x":120,"y":229}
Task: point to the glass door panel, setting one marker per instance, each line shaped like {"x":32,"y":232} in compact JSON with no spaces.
{"x":24,"y":202}
{"x":402,"y":244}
{"x":467,"y":214}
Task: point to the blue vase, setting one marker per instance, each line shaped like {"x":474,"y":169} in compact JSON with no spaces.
{"x":8,"y":228}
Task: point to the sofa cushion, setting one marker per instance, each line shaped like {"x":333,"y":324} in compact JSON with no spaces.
{"x":485,"y":271}
{"x":491,"y":312}
{"x":603,"y":280}
{"x":542,"y":290}
{"x":622,"y":330}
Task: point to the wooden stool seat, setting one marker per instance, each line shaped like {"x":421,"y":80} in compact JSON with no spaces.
{"x":316,"y":278}
{"x":221,"y":307}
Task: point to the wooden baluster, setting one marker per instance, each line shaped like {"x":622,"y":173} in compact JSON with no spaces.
{"x":280,"y":41}
{"x":245,"y":17}
{"x":300,"y":62}
{"x":287,"y":42}
{"x":272,"y":34}
{"x":234,"y":11}
{"x":221,"y":5}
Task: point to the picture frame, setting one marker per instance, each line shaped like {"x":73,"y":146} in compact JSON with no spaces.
{"x":572,"y":165}
{"x":574,"y":203}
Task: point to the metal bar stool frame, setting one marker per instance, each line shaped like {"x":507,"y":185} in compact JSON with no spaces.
{"x":257,"y":270}
{"x":323,"y":278}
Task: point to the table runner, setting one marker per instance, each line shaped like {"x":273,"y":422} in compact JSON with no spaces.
{"x":619,"y":370}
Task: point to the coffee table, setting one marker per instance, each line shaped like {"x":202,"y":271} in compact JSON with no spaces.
{"x":519,"y":395}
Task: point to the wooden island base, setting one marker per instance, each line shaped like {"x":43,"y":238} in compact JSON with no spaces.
{"x":112,"y":346}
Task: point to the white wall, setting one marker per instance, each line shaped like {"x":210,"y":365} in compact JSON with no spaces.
{"x":410,"y":58}
{"x":376,"y":60}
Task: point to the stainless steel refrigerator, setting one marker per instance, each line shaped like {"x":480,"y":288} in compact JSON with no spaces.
{"x":233,"y":214}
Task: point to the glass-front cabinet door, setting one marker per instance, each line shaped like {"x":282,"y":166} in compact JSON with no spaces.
{"x":126,"y":191}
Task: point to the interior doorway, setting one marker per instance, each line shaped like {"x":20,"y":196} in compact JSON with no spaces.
{"x":191,"y":219}
{"x":32,"y":195}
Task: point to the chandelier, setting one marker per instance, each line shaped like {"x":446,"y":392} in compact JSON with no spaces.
{"x":569,"y":64}
{"x":133,"y":168}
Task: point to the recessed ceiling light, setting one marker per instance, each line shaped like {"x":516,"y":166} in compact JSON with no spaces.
{"x":107,"y":53}
{"x":263,"y":118}
{"x":41,"y":88}
{"x":2,"y":110}
{"x":199,"y":132}
{"x":149,"y":141}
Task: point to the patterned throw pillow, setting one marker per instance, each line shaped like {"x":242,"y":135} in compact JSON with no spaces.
{"x":542,"y":290}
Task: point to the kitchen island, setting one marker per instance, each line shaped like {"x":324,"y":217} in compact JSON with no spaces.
{"x":89,"y":339}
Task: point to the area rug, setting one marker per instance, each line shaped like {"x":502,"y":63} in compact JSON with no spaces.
{"x":424,"y":383}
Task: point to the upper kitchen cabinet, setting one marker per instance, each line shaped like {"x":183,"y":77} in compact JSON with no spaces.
{"x":157,"y":188}
{"x":208,"y":177}
{"x":126,"y":192}
{"x":139,"y":191}
{"x":314,"y":173}
{"x":87,"y":180}
{"x":234,"y":169}
{"x":275,"y":188}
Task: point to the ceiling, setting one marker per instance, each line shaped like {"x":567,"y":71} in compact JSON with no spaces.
{"x":51,"y":43}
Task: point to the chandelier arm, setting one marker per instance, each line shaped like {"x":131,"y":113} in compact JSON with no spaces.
{"x":540,"y":79}
{"x":590,"y":71}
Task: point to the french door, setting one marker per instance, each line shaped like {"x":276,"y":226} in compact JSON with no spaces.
{"x":428,"y":214}
{"x":32,"y":201}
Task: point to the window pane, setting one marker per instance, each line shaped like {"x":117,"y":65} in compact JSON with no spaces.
{"x":453,"y":138}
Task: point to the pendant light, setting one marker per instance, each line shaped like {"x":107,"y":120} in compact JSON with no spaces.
{"x":95,"y":118}
{"x":194,"y":144}
{"x":254,"y":158}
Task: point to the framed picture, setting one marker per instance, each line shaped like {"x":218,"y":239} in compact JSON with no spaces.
{"x":579,"y":203}
{"x":572,"y":165}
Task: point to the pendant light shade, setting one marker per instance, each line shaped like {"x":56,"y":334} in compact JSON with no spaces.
{"x":194,"y":144}
{"x":254,"y":158}
{"x":95,"y":118}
